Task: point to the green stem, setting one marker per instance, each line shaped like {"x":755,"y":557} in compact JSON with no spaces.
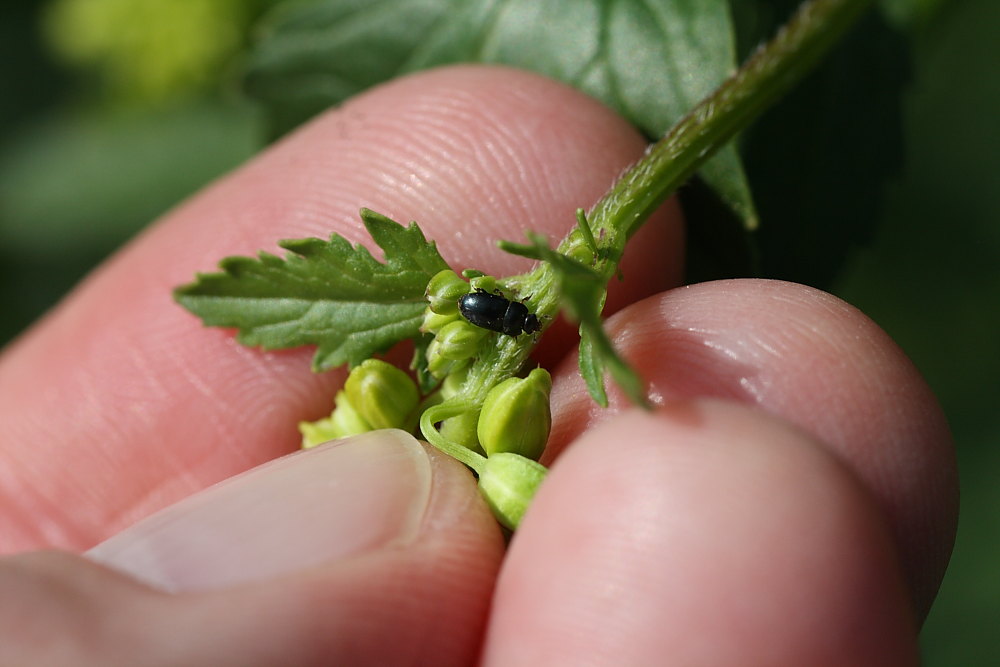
{"x":439,"y":413}
{"x":759,"y":83}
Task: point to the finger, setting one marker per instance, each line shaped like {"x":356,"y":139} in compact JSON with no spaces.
{"x":707,"y":533}
{"x":816,"y":362}
{"x":120,"y":403}
{"x":270,"y":570}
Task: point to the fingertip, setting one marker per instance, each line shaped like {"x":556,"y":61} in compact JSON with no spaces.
{"x":810,"y":359}
{"x":704,"y":534}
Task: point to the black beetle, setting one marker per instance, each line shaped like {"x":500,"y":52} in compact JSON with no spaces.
{"x":497,"y":313}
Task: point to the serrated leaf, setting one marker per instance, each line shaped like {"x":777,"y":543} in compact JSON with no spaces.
{"x":325,"y":293}
{"x":651,"y":60}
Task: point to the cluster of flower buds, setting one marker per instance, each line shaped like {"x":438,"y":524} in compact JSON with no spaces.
{"x":456,"y":341}
{"x":376,"y":395}
{"x":514,"y":418}
{"x":510,"y":428}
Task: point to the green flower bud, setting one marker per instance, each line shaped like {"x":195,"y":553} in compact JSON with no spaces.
{"x":483,"y":282}
{"x":437,"y":364}
{"x":581,"y":253}
{"x":462,"y":430}
{"x":443,"y":292}
{"x":459,"y":340}
{"x":516,"y":416}
{"x":383,"y":395}
{"x":434,"y":322}
{"x":452,"y":384}
{"x":344,"y":421}
{"x":317,"y":432}
{"x":508,"y":482}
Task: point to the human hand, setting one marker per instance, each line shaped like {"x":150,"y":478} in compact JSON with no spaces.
{"x":791,"y":501}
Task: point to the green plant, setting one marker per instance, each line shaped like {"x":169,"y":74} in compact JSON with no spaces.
{"x":338,"y":297}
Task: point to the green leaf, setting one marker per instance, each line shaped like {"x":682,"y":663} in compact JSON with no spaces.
{"x":591,"y":367}
{"x":75,"y":186}
{"x":325,"y":293}
{"x":651,"y":60}
{"x":582,"y":292}
{"x":425,"y":381}
{"x":86,"y":182}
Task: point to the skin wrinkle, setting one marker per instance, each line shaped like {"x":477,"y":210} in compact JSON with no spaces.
{"x":160,"y":488}
{"x":497,"y":156}
{"x":254,"y":384}
{"x":517,"y":173}
{"x":192,"y":376}
{"x":495,"y":123}
{"x":35,"y":501}
{"x":505,"y":162}
{"x":447,"y":146}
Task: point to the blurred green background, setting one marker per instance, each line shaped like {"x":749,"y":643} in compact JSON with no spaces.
{"x":102,"y":129}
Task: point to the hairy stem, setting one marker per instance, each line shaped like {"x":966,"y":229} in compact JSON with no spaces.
{"x":439,"y":413}
{"x":759,"y":83}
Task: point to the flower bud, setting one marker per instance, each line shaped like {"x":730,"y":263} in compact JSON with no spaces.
{"x":344,"y":421}
{"x":438,"y":365}
{"x":508,"y":482}
{"x":581,"y":253}
{"x":516,"y":416}
{"x":434,"y":322}
{"x":452,"y":384}
{"x":383,"y":395}
{"x":462,"y":430}
{"x":459,"y":340}
{"x":317,"y":432}
{"x":443,"y":292}
{"x":483,"y":282}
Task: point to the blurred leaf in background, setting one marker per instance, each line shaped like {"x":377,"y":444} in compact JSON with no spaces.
{"x":931,"y":278}
{"x":148,"y":51}
{"x":115,"y":110}
{"x":315,"y":54}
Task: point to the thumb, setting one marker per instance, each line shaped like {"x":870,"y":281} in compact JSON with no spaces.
{"x":371,"y":550}
{"x":343,"y":499}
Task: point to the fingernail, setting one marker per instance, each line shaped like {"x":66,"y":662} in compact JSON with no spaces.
{"x":343,"y":499}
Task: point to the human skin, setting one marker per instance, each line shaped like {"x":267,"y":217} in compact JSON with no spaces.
{"x":791,"y":500}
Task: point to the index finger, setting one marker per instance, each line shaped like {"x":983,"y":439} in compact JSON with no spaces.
{"x":119,"y":403}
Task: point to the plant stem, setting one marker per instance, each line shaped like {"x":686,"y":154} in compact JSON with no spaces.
{"x":443,"y":411}
{"x":762,"y":80}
